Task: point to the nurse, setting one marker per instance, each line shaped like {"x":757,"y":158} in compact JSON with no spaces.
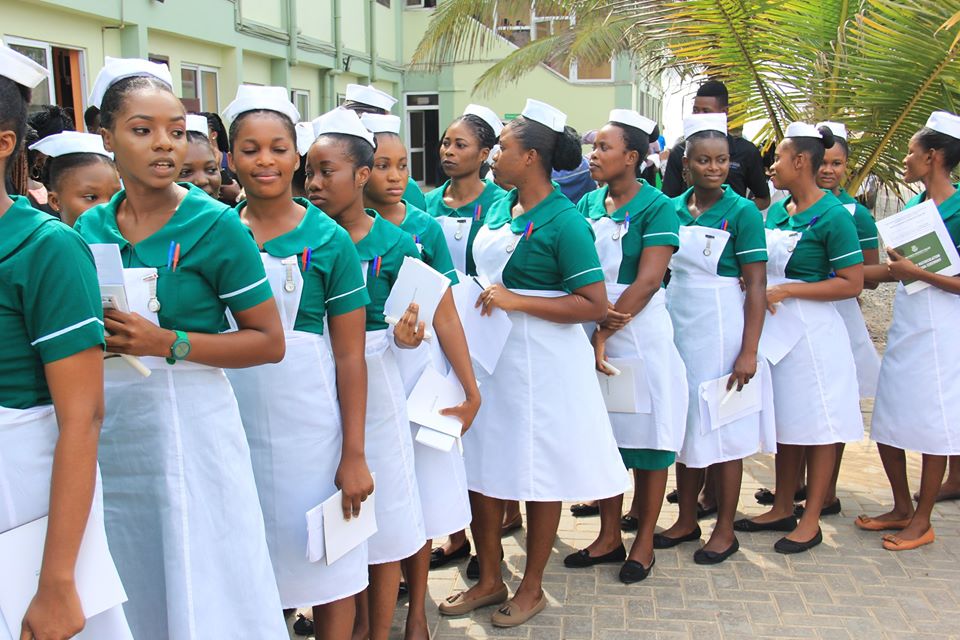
{"x":635,"y":232}
{"x":441,"y":476}
{"x":917,"y":397}
{"x":183,"y":516}
{"x":304,"y":417}
{"x":718,"y":327}
{"x":462,"y":202}
{"x":200,"y":167}
{"x":543,"y":434}
{"x":51,"y":400}
{"x":79,"y":173}
{"x":810,"y":236}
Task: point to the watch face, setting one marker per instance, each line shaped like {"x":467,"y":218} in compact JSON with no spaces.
{"x":181,"y":350}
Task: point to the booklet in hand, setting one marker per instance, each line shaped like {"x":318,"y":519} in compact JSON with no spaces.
{"x":919,"y":234}
{"x":416,"y":282}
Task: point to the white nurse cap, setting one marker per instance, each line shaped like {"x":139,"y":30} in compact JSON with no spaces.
{"x":305,"y":137}
{"x":343,"y":121}
{"x":486,"y":114}
{"x":838,"y":129}
{"x":198,"y":124}
{"x":377,"y":123}
{"x":68,"y":142}
{"x":19,"y":68}
{"x":631,"y":118}
{"x":802,"y":130}
{"x":698,"y":122}
{"x":116,"y":69}
{"x":545,"y":114}
{"x":370,"y":95}
{"x":253,"y":98}
{"x":944,"y":122}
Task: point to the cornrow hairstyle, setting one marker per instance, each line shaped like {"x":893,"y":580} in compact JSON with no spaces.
{"x":357,"y":149}
{"x":932,"y":140}
{"x":113,"y":99}
{"x":59,"y":167}
{"x":285,"y":120}
{"x":636,"y":139}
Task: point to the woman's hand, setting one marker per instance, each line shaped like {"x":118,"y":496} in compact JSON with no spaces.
{"x":54,"y":613}
{"x":599,"y":342}
{"x":744,"y":368}
{"x":354,"y":479}
{"x":776,"y":295}
{"x":408,"y":334}
{"x":465,"y":412}
{"x":615,"y":320}
{"x":497,"y":296}
{"x":134,"y":335}
{"x":901,"y":268}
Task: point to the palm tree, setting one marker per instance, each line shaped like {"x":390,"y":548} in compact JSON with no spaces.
{"x":880,"y":66}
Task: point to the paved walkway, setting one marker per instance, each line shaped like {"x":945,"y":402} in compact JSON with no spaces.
{"x":848,"y":587}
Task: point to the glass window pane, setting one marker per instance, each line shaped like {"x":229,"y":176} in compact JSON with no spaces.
{"x":417,"y":170}
{"x":41,"y":94}
{"x":209,"y":84}
{"x":188,"y":83}
{"x":416,"y":129}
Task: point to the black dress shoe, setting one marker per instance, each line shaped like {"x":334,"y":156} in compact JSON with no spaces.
{"x":632,"y":571}
{"x":402,"y":591}
{"x":783,"y":524}
{"x":303,"y":626}
{"x":766,"y":496}
{"x":831,"y":509}
{"x":438,"y":558}
{"x":584,"y":510}
{"x":673,"y":497}
{"x":629,"y":523}
{"x":661,"y":541}
{"x":783,"y":545}
{"x":702,"y":556}
{"x":582,"y":558}
{"x":473,"y":567}
{"x":705,"y":512}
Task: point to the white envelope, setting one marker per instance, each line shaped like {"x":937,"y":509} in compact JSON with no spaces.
{"x":781,"y":332}
{"x":330,"y":536}
{"x":434,"y":392}
{"x":627,"y":392}
{"x":435,"y":440}
{"x":486,"y":335}
{"x":416,"y":282}
{"x":723,"y":406}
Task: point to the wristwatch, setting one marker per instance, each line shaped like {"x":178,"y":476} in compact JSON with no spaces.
{"x":180,"y":348}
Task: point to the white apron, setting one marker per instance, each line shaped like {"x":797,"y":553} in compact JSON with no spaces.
{"x":292,"y":420}
{"x":864,"y":353}
{"x":182,"y":514}
{"x":389,"y":450}
{"x":918,"y":395}
{"x":647,"y":337}
{"x":456,"y":231}
{"x":707,"y":313}
{"x":28,"y":438}
{"x":543,"y":432}
{"x":815,"y":391}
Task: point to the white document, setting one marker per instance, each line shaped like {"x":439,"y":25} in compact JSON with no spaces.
{"x":918,"y":233}
{"x":486,"y":335}
{"x":416,"y":282}
{"x":432,"y":393}
{"x":628,"y":391}
{"x":21,"y":556}
{"x":781,"y":332}
{"x":724,"y":407}
{"x":435,"y":440}
{"x":330,"y":536}
{"x":110,"y":276}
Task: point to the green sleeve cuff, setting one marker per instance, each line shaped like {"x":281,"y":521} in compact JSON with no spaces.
{"x":249,"y":296}
{"x":582,"y":279}
{"x":70,"y":340}
{"x":348,"y":301}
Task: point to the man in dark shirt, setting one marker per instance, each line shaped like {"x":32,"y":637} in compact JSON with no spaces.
{"x":746,"y":164}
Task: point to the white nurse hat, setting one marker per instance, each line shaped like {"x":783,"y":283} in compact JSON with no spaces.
{"x":699,"y":122}
{"x":944,"y":122}
{"x":486,"y":114}
{"x":838,"y":129}
{"x":370,"y":95}
{"x":545,"y":114}
{"x":198,"y":124}
{"x":631,"y":118}
{"x":19,"y":68}
{"x":305,"y":137}
{"x":377,"y":123}
{"x":254,"y":98}
{"x":116,"y":69}
{"x":68,"y":142}
{"x":343,"y":121}
{"x":802,"y":130}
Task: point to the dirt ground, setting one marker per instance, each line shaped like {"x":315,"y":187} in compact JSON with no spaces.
{"x":877,"y":304}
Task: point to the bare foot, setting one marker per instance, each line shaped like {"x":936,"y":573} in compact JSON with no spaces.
{"x":948,"y":491}
{"x":804,"y":531}
{"x":416,"y":628}
{"x":527,"y":599}
{"x":641,"y":555}
{"x":720,"y":541}
{"x":892,"y":516}
{"x":601,"y":547}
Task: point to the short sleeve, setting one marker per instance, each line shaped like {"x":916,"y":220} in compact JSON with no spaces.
{"x":661,"y":226}
{"x":841,"y":242}
{"x":239,"y":278}
{"x":754,"y":175}
{"x":345,"y":289}
{"x":750,"y":241}
{"x":436,"y":253}
{"x":62,"y":310}
{"x":673,"y":183}
{"x":866,"y":228}
{"x":577,"y":255}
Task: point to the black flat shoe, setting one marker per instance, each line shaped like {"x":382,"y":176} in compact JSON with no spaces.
{"x":582,"y":558}
{"x":702,"y":556}
{"x":632,"y":571}
{"x":783,"y":524}
{"x":303,"y":626}
{"x":673,"y":497}
{"x":584,"y":510}
{"x":439,"y":559}
{"x":473,"y":567}
{"x":783,"y":545}
{"x":661,"y":541}
{"x":831,"y":509}
{"x":402,"y":591}
{"x":705,"y":512}
{"x":629,"y":523}
{"x":766,"y":496}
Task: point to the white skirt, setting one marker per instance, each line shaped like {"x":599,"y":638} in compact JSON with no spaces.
{"x":182,"y":515}
{"x":543,"y":433}
{"x":708,"y":325}
{"x":918,"y":396}
{"x":292,"y":420}
{"x":389,"y":449}
{"x":864,"y":353}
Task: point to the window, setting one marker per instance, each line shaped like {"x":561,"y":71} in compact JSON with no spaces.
{"x":421,"y":4}
{"x":385,"y":3}
{"x":423,"y":137}
{"x":198,"y":88}
{"x":65,"y":83}
{"x":301,"y":100}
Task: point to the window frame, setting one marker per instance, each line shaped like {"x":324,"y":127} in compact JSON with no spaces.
{"x":200,"y":69}
{"x":48,"y":48}
{"x":295,"y":95}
